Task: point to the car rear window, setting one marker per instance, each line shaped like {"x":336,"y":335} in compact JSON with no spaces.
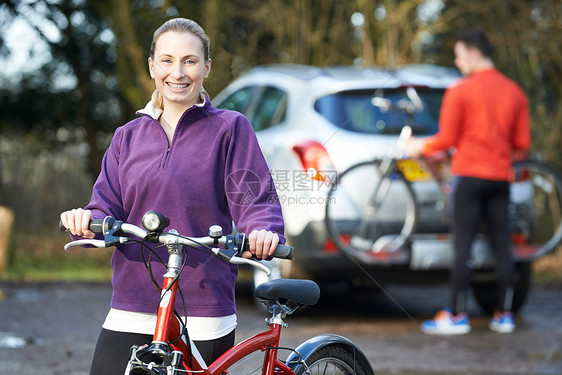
{"x":354,"y":111}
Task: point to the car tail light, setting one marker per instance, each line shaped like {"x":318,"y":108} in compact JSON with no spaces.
{"x":519,"y":239}
{"x":314,"y":158}
{"x":330,"y":246}
{"x":522,"y":175}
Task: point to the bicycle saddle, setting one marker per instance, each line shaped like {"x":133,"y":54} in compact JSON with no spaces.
{"x":284,"y":291}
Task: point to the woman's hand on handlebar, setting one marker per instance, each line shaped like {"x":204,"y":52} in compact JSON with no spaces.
{"x":262,"y":244}
{"x":77,"y":222}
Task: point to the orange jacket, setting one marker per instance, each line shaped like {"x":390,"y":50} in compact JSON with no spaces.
{"x":484,"y":118}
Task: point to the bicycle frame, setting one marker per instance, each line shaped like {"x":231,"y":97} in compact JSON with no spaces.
{"x":267,"y":341}
{"x":168,"y":331}
{"x":169,"y":354}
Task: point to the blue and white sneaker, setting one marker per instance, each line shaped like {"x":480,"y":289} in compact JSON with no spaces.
{"x":502,"y":322}
{"x":445,"y":323}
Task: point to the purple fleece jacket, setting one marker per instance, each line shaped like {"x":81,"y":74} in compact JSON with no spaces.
{"x":212,"y":173}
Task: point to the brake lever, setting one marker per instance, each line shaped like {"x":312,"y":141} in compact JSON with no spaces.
{"x":234,"y":246}
{"x":95,"y":243}
{"x":253,"y":263}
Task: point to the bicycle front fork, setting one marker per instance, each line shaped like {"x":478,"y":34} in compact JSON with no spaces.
{"x":155,"y":359}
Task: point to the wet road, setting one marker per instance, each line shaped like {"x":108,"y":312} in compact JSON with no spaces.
{"x":51,"y":329}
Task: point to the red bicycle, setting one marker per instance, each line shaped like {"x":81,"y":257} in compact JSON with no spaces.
{"x":172,"y":353}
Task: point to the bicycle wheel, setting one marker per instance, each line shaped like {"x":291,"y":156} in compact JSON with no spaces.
{"x":369,"y":212}
{"x":334,"y":360}
{"x":535,"y":210}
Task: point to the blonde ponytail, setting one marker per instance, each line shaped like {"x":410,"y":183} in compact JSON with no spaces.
{"x":203,"y":93}
{"x":157,"y":100}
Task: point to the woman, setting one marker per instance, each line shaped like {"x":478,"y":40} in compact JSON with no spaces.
{"x":182,"y":157}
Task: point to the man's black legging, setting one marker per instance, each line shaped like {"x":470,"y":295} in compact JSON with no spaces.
{"x":113,"y":350}
{"x":475,"y":200}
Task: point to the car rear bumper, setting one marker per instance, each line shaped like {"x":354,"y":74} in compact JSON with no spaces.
{"x":317,"y":254}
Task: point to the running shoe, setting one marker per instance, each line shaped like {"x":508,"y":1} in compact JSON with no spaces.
{"x":502,"y":322}
{"x":445,"y":323}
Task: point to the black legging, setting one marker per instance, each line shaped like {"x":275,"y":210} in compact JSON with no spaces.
{"x":473,"y":200}
{"x":113,"y":350}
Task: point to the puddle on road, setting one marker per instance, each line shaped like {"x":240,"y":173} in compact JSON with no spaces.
{"x":27,"y":295}
{"x":551,"y":355}
{"x":10,"y":341}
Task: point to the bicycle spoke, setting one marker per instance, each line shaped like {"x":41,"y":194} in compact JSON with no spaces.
{"x":368,"y":208}
{"x":535,"y":210}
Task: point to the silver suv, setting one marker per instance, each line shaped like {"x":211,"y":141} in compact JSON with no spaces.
{"x":312,"y":123}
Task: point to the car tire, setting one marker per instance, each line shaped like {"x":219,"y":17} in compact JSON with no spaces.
{"x":485,"y":293}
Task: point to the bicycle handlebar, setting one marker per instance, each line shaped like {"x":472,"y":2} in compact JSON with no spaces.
{"x":410,"y":107}
{"x":405,"y":134}
{"x":115,"y":232}
{"x":96,"y":226}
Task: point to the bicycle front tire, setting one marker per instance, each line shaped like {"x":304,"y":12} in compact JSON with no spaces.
{"x":356,"y":223}
{"x":535,"y":209}
{"x":334,"y":360}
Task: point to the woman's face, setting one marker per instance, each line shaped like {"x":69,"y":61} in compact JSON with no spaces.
{"x":179,"y":68}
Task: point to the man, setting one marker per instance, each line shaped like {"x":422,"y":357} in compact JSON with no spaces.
{"x":484,"y":119}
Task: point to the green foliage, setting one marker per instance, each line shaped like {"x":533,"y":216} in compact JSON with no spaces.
{"x":40,"y":256}
{"x":58,"y":267}
{"x":55,"y":122}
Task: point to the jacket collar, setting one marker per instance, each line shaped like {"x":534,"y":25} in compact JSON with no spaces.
{"x":152,"y":111}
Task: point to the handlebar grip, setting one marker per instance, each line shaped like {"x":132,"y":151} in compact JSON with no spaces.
{"x":96,"y":226}
{"x":283,"y":252}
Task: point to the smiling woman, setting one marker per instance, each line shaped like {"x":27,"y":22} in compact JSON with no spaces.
{"x":178,"y":67}
{"x":177,"y":158}
{"x":181,"y":51}
{"x":179,"y":62}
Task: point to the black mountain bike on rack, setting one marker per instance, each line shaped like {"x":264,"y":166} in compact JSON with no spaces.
{"x":374,"y":207}
{"x":535,"y":207}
